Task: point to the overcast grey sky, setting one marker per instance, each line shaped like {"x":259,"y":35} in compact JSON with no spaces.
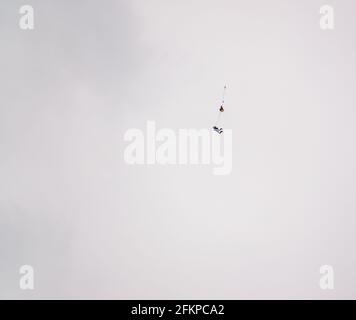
{"x":94,"y":227}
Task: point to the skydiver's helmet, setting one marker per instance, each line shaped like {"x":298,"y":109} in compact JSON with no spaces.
{"x":221,"y":109}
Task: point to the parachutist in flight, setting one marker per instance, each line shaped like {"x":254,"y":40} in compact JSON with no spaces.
{"x":221,"y":110}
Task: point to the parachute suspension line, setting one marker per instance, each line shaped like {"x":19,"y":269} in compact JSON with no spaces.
{"x":223,"y":97}
{"x":218,"y":119}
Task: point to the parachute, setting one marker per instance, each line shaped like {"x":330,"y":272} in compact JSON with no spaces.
{"x":221,"y":110}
